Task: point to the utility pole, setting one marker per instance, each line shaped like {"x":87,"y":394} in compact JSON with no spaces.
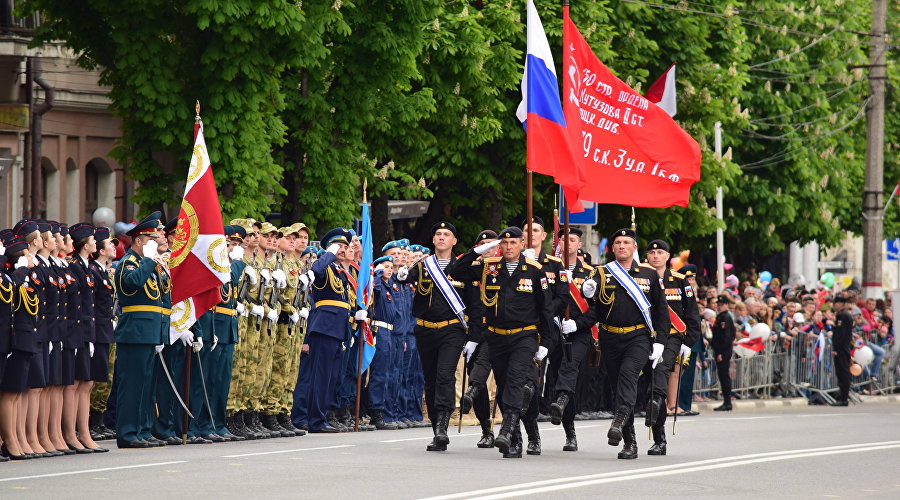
{"x":720,"y":214}
{"x":873,"y":214}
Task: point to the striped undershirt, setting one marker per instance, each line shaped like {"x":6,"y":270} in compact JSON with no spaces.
{"x":511,"y":267}
{"x":442,"y":263}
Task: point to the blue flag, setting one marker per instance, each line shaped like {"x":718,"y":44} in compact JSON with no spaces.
{"x":364,"y":280}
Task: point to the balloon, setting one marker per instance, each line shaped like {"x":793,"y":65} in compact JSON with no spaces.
{"x":104,"y":216}
{"x":765,"y":277}
{"x":828,"y":280}
{"x":864,"y":355}
{"x":855,"y":370}
{"x":760,"y":330}
{"x":676,"y":263}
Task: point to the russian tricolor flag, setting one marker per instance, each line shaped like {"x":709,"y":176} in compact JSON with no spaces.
{"x":550,"y":144}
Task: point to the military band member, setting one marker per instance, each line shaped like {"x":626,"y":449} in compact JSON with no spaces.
{"x":634,"y":323}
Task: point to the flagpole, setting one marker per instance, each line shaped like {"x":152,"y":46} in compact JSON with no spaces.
{"x":890,"y":198}
{"x":189,"y":349}
{"x":360,"y":340}
{"x":528,"y":206}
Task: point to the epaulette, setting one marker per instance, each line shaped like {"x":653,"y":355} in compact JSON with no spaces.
{"x":533,"y":263}
{"x":553,"y":257}
{"x":588,"y":267}
{"x":495,"y":258}
{"x":648,"y":266}
{"x":678,"y":275}
{"x":131,"y":258}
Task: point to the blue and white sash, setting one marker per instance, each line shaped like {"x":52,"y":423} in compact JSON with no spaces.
{"x":447,"y":290}
{"x":632,"y":288}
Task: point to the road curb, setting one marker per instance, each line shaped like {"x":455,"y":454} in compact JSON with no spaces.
{"x":888,"y":398}
{"x":753,"y":404}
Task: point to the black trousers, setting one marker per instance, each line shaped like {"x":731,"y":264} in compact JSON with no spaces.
{"x":722,"y":368}
{"x":567,"y":375}
{"x":625,"y":355}
{"x":842,"y":370}
{"x":479,"y":368}
{"x":439,"y":349}
{"x":662,"y":371}
{"x":512,"y":358}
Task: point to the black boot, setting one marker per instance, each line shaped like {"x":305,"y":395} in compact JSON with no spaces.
{"x":571,"y":442}
{"x":284,"y":420}
{"x":654,"y":407}
{"x":505,"y":438}
{"x":270,"y":423}
{"x":629,"y":451}
{"x":434,"y":445}
{"x":251,"y":421}
{"x":440,"y":433}
{"x":236,"y":426}
{"x":93,"y":421}
{"x":515,"y":448}
{"x":534,"y":437}
{"x":615,"y":429}
{"x":659,"y":441}
{"x":468,"y":398}
{"x":725,"y":406}
{"x":527,"y":394}
{"x":487,"y":435}
{"x":558,"y":407}
{"x":377,"y":420}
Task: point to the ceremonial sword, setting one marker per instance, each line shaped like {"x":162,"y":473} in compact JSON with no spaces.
{"x":172,"y":384}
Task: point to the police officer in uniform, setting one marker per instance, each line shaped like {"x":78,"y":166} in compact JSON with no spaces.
{"x":723,"y":333}
{"x":626,"y":338}
{"x":842,"y":344}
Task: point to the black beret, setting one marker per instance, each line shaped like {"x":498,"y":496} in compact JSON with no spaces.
{"x":485,"y":235}
{"x":572,"y":230}
{"x":725,"y":298}
{"x":534,"y":219}
{"x":81,"y":230}
{"x":511,"y":232}
{"x":624,"y":232}
{"x":658,"y":245}
{"x":444,"y":225}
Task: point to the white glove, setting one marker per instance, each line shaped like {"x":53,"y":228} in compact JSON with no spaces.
{"x":2,"y":249}
{"x":361,"y":315}
{"x":402,"y":273}
{"x":159,"y":348}
{"x":258,"y":311}
{"x":487,"y":247}
{"x":115,"y":323}
{"x":589,"y":288}
{"x":215,"y":343}
{"x":90,"y":347}
{"x":379,"y":267}
{"x":198,"y":344}
{"x":51,"y":343}
{"x":344,"y":346}
{"x":304,"y":313}
{"x":187,"y":338}
{"x":333,"y":248}
{"x":241,"y":309}
{"x":304,"y":281}
{"x":272,"y":315}
{"x":529,"y":253}
{"x":684,"y":352}
{"x":22,"y":262}
{"x":295,"y":318}
{"x":656,"y":354}
{"x":237,"y":253}
{"x":150,"y":249}
{"x":251,"y":275}
{"x":280,"y":278}
{"x":266,"y":275}
{"x":568,"y":326}
{"x":541,"y":353}
{"x":469,"y":348}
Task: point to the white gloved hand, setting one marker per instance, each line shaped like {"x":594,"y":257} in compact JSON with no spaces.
{"x":304,"y":313}
{"x":469,"y":348}
{"x":333,"y":248}
{"x":530,"y":253}
{"x":684,"y":352}
{"x":159,"y":348}
{"x":258,"y":311}
{"x":280,"y":278}
{"x":295,"y":318}
{"x":90,"y":348}
{"x":241,"y":309}
{"x":150,"y":249}
{"x":379,"y":267}
{"x":187,"y":338}
{"x":402,"y":273}
{"x":251,"y":275}
{"x":304,"y":281}
{"x":361,"y":315}
{"x":541,"y":353}
{"x":215,"y":343}
{"x":115,"y":323}
{"x":568,"y":326}
{"x":266,"y":275}
{"x":22,"y":262}
{"x":487,"y":247}
{"x":589,"y":288}
{"x":237,"y":253}
{"x":51,"y":347}
{"x":272,"y":315}
{"x":198,"y":344}
{"x":2,"y":249}
{"x":656,"y":354}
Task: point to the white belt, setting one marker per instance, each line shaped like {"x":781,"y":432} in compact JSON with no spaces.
{"x":382,"y":324}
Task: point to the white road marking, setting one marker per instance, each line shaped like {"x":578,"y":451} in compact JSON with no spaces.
{"x":453,"y":435}
{"x":558,"y":484}
{"x":288,"y":451}
{"x":86,"y":471}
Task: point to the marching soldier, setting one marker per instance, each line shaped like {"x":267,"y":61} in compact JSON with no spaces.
{"x":631,"y":305}
{"x":683,"y":334}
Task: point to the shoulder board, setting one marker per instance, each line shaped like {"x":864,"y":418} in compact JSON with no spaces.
{"x":553,"y":257}
{"x":491,"y":259}
{"x":131,"y":258}
{"x":588,"y":267}
{"x":533,"y":263}
{"x":677,"y":275}
{"x":354,"y":265}
{"x":648,"y":266}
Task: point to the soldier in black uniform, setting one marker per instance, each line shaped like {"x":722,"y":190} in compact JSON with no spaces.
{"x":580,"y":342}
{"x":723,"y":344}
{"x":683,"y":334}
{"x":625,"y":335}
{"x":841,"y":345}
{"x":517,"y":305}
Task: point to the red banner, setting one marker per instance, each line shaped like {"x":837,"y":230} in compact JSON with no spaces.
{"x":633,"y":152}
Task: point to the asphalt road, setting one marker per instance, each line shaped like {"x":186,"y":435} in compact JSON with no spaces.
{"x":807,"y":452}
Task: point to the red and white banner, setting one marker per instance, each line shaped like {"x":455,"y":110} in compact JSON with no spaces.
{"x":633,"y":152}
{"x":199,"y":258}
{"x":662,"y":92}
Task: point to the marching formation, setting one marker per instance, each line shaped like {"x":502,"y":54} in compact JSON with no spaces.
{"x":280,"y":354}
